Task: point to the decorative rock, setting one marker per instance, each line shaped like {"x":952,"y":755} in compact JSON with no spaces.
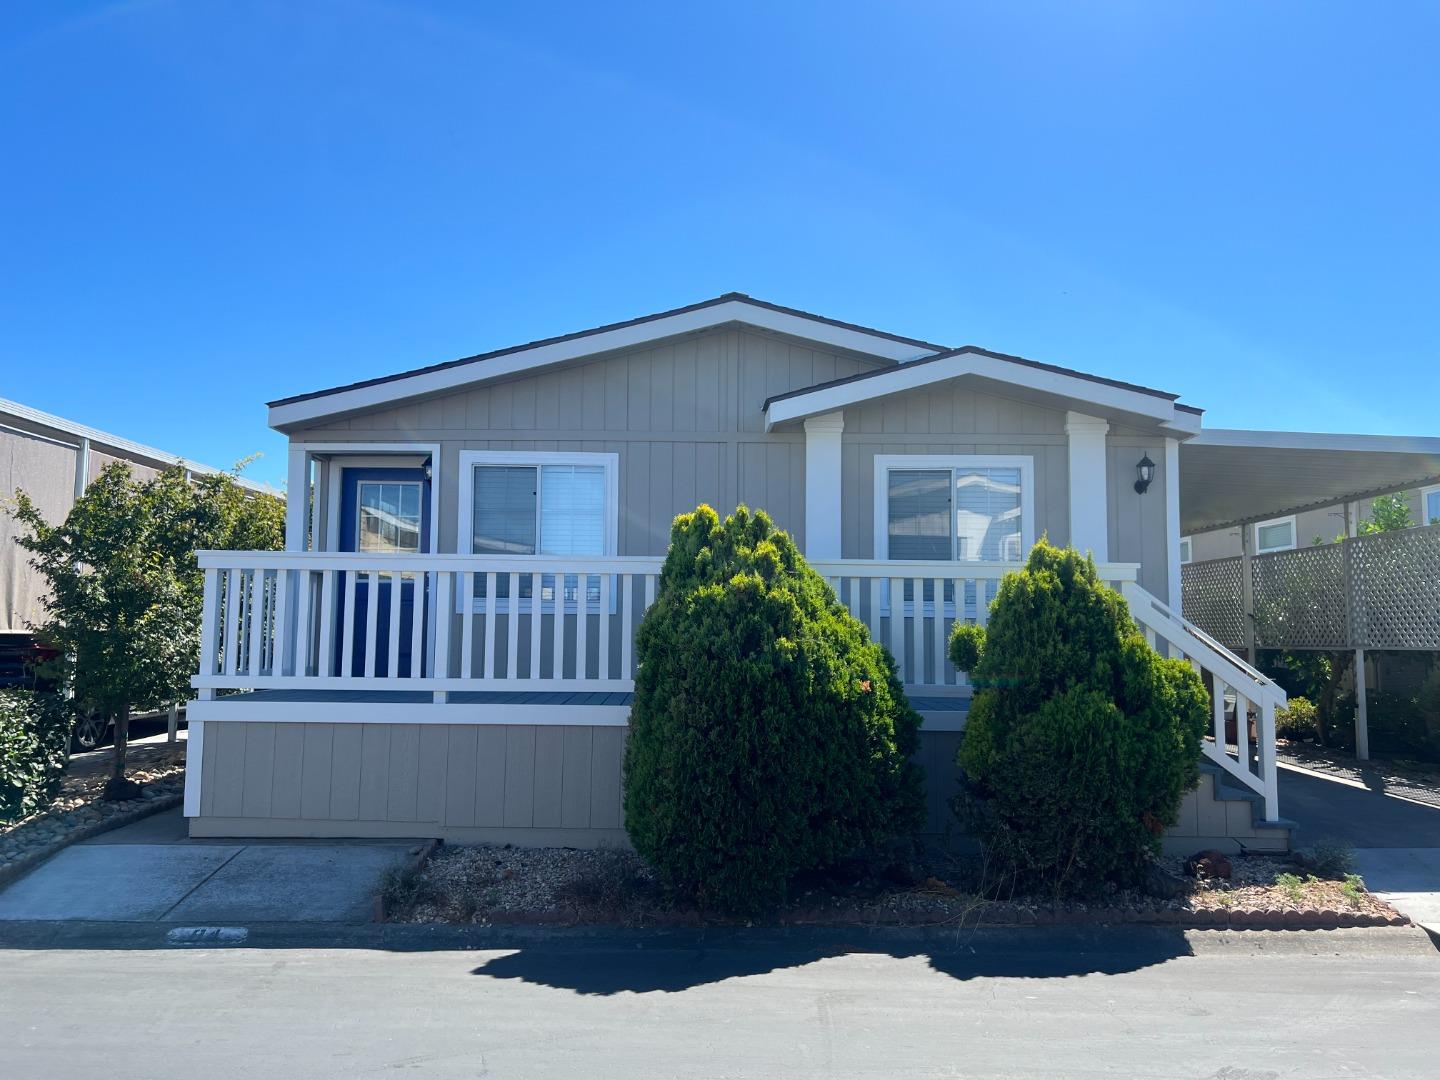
{"x":1162,"y":883}
{"x":1209,"y":865}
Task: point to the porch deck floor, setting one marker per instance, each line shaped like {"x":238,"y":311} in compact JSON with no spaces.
{"x":926,"y":704}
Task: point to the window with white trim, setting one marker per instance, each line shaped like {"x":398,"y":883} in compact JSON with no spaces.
{"x":1277,"y":534}
{"x":1184,"y":550}
{"x":1430,"y":505}
{"x":963,"y":508}
{"x":518,"y":503}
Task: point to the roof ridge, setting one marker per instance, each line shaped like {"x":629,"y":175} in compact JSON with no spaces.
{"x":715,"y":301}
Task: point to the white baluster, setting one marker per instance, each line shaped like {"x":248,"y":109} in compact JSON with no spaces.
{"x":417,"y":625}
{"x":325,"y":660}
{"x":535,"y":622}
{"x":627,"y":625}
{"x":372,"y":621}
{"x":280,"y":638}
{"x":582,"y":626}
{"x":604,"y":671}
{"x":233,"y":605}
{"x":492,"y":601}
{"x":467,"y":620}
{"x":392,"y":656}
{"x":512,"y":632}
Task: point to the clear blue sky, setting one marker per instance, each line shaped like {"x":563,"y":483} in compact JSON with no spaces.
{"x":208,"y":205}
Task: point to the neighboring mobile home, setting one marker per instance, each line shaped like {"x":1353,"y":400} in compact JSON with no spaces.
{"x":52,"y":460}
{"x":445,"y":647}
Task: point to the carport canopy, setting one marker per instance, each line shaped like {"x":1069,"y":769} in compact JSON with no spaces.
{"x":1230,"y":476}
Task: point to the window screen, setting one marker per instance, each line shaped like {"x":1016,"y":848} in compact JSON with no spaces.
{"x":1432,"y":508}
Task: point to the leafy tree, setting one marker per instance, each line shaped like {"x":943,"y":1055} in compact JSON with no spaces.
{"x":1388,"y":513}
{"x":1081,"y":739}
{"x":123,"y":611}
{"x":769,"y":734}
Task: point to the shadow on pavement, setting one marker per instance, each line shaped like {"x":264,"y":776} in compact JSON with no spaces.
{"x":1028,"y":954}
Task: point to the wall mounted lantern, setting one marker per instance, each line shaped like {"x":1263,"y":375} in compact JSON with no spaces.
{"x":1146,"y":470}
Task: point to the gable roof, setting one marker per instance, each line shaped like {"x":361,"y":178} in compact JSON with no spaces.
{"x":727,"y":308}
{"x":972,"y":360}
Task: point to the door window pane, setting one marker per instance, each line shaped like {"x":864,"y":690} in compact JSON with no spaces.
{"x":389,"y":518}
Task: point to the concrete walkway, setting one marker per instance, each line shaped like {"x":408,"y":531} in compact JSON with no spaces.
{"x":151,"y":871}
{"x":1397,"y":842}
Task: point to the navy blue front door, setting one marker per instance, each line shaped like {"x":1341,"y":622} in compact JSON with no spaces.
{"x":383,"y":512}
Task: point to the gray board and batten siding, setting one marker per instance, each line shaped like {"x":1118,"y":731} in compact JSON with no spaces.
{"x":685,"y":419}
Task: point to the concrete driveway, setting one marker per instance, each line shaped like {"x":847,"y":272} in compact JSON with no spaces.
{"x":1397,"y":841}
{"x":151,"y":871}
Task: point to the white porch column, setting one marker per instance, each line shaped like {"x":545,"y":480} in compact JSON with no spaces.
{"x":822,"y":485}
{"x":1172,"y":521}
{"x":297,"y":499}
{"x":1089,"y":500}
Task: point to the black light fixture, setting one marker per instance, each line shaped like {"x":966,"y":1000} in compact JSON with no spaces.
{"x":1146,"y":468}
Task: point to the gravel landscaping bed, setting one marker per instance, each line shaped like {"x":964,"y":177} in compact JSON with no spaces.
{"x":1413,"y":780}
{"x":78,"y":810}
{"x":492,"y":884}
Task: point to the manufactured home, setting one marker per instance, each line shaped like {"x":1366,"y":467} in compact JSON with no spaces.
{"x":445,"y":648}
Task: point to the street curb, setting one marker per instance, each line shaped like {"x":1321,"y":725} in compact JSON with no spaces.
{"x":25,"y":863}
{"x":1164,"y":941}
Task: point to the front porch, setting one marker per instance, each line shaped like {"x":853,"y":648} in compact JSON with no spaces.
{"x":487,"y":697}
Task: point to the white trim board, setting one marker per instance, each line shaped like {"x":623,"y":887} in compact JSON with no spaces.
{"x":237,"y":710}
{"x":383,"y":712}
{"x":526,"y":358}
{"x":885,"y":462}
{"x":341,"y":455}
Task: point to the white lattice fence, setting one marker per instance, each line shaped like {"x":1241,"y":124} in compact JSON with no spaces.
{"x":1395,"y":578}
{"x":1300,"y":600}
{"x":1211,"y":597}
{"x":1370,"y":592}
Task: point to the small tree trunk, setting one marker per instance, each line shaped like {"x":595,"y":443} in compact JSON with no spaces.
{"x":118,"y":788}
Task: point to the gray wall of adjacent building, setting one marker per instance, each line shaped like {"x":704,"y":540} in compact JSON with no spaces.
{"x":41,"y":462}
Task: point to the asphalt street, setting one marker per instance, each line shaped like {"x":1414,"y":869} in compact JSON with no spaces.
{"x":81,"y":1000}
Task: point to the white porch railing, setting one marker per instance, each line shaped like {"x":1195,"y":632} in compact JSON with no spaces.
{"x":448,"y":623}
{"x":918,"y":639}
{"x":322,"y":621}
{"x":1229,"y":679}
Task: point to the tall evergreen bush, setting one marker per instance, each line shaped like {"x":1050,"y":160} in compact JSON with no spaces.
{"x":768,"y":734}
{"x":1081,"y":739}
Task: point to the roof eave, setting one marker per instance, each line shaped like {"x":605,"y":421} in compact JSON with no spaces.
{"x":730,"y":308}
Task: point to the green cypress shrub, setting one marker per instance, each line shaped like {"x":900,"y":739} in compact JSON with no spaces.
{"x":768,"y":734}
{"x":1081,"y":740}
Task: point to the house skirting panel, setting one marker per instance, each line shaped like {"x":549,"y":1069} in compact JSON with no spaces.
{"x":534,"y":785}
